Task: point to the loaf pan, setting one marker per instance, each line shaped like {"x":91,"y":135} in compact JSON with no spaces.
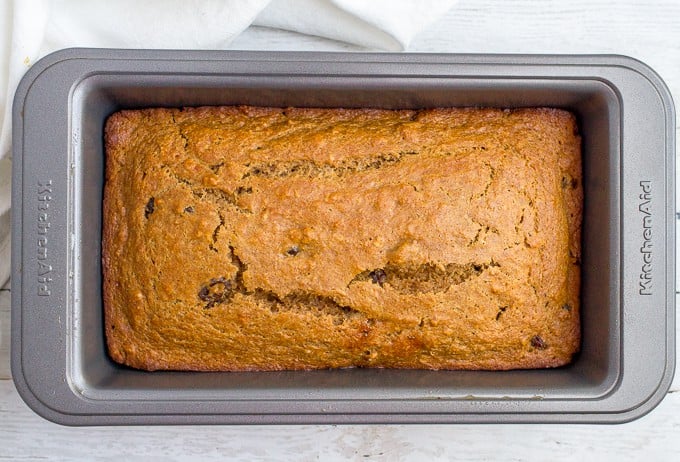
{"x":59,"y":360}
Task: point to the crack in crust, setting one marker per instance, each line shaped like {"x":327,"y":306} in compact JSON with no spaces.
{"x":424,"y":278}
{"x":312,"y":169}
{"x":405,"y":279}
{"x":222,"y":290}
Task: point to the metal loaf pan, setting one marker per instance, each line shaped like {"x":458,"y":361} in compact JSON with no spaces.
{"x":59,"y":361}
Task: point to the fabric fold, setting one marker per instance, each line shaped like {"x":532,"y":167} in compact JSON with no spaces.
{"x":379,"y":24}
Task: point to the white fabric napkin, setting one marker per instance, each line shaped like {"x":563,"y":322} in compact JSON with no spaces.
{"x":30,"y":29}
{"x":382,"y":24}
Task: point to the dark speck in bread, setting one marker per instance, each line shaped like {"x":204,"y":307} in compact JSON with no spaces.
{"x":378,"y":276}
{"x":538,"y":342}
{"x":149,"y":208}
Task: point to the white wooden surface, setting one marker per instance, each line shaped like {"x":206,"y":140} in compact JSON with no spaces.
{"x":649,"y":31}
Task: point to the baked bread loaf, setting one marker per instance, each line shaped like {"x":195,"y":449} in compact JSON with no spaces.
{"x":248,"y":238}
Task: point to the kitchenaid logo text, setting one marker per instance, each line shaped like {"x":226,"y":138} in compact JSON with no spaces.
{"x":44,"y":268}
{"x":645,"y":209}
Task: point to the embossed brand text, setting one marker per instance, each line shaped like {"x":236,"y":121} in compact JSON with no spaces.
{"x":645,"y":209}
{"x":44,"y":268}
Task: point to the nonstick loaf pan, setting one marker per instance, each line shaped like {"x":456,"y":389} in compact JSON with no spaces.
{"x":59,"y":360}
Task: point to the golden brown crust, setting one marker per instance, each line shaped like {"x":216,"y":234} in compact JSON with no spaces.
{"x":243,"y":238}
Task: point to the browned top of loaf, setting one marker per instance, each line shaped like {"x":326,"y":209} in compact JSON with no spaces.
{"x":243,"y":238}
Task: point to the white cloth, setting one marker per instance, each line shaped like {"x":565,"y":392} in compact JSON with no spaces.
{"x":383,"y":24}
{"x":30,"y":29}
